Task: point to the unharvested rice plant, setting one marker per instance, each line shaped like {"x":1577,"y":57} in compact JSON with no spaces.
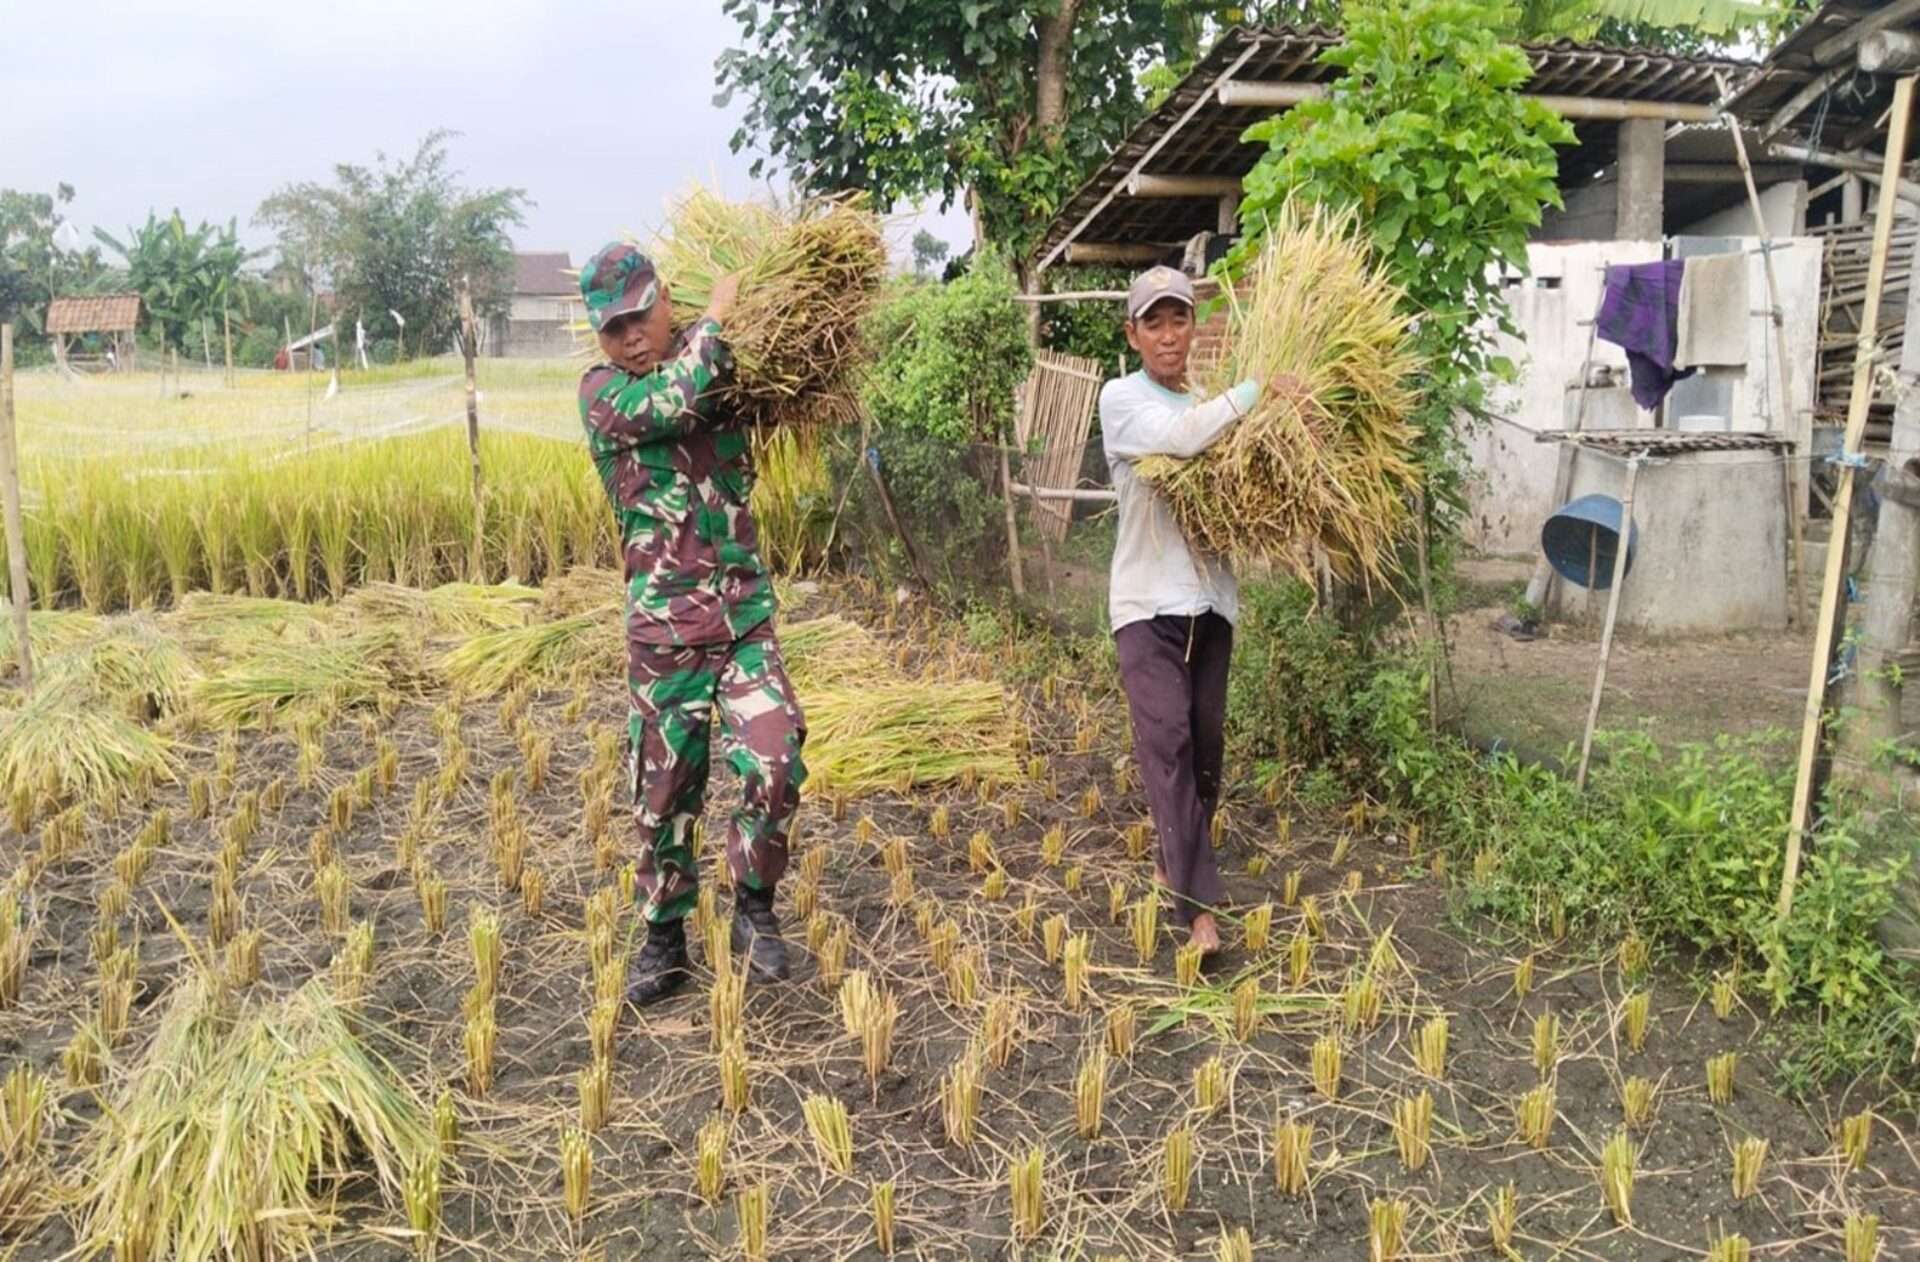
{"x":266,"y":908}
{"x":135,"y":500}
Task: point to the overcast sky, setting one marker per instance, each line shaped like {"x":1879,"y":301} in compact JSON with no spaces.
{"x":599,"y":110}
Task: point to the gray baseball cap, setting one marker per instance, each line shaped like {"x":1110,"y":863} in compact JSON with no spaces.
{"x":1154,"y":284}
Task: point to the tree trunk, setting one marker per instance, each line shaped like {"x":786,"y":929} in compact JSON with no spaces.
{"x":1056,"y":47}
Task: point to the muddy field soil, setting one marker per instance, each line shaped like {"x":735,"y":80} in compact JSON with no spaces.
{"x":960,"y":950}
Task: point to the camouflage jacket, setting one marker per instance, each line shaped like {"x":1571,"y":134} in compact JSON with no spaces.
{"x":678,"y":469}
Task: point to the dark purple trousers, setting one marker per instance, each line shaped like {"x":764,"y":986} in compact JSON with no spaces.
{"x":1174,"y":669}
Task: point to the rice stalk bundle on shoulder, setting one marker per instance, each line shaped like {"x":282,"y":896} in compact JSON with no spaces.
{"x":1326,"y":468}
{"x":810,"y":271}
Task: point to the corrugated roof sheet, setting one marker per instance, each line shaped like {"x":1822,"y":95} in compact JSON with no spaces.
{"x":1845,"y":108}
{"x":544,"y":272}
{"x":94,"y":313}
{"x":1209,"y":143}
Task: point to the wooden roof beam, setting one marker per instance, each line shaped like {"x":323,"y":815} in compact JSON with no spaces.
{"x":1244,"y":92}
{"x":1143,"y":184}
{"x":1835,"y":47}
{"x":1797,"y":103}
{"x":1116,"y":252}
{"x":1864,"y":164}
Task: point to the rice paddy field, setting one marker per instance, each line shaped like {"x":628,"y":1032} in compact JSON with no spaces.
{"x":315,"y":919}
{"x":136,"y":495}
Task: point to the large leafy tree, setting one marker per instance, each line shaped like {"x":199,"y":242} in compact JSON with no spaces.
{"x":1014,"y":100}
{"x":184,"y":276}
{"x":41,"y":255}
{"x":399,"y":235}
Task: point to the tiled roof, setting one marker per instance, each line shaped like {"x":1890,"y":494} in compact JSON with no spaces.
{"x":94,"y":313}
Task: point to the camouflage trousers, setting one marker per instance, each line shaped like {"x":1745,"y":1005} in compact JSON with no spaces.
{"x":674,"y":694}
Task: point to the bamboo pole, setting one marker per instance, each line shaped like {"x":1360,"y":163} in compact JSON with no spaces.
{"x":1613,"y":612}
{"x":469,"y":347}
{"x":1832,"y":611}
{"x":17,"y":591}
{"x":1797,"y":533}
{"x":1014,"y":571}
{"x":226,"y":323}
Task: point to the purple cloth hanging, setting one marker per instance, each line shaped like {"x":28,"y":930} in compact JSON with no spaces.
{"x":1641,"y":314}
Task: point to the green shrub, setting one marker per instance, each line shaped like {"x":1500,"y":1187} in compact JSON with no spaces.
{"x":940,"y":395}
{"x":1682,"y":845}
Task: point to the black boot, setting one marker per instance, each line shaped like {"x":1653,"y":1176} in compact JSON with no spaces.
{"x":662,"y":966}
{"x":756,"y":935}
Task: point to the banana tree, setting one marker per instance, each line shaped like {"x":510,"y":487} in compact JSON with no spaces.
{"x":183,"y":275}
{"x":1715,"y":20}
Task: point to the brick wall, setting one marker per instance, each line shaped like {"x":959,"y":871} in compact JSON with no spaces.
{"x":1210,"y":342}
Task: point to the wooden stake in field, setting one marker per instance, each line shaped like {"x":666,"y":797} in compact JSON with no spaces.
{"x":16,"y":531}
{"x":469,"y":347}
{"x":1613,"y":611}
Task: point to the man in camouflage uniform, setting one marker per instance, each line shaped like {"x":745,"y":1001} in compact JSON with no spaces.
{"x":678,"y":470}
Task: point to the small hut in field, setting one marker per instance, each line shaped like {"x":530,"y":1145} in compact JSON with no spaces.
{"x":111,"y":316}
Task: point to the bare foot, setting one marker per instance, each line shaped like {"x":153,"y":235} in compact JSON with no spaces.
{"x":1205,"y":934}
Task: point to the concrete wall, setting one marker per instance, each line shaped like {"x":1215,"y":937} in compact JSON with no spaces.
{"x":544,"y":307}
{"x":1783,"y":206}
{"x":1710,"y":554}
{"x":529,"y":339}
{"x":1511,"y":484}
{"x":1591,"y":213}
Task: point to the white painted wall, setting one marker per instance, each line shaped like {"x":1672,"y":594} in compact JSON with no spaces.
{"x":1783,"y":207}
{"x":1710,"y":551}
{"x":1512,"y":474}
{"x":1511,"y":483}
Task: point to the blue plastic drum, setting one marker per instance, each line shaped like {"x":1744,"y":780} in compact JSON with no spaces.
{"x":1589,"y":526}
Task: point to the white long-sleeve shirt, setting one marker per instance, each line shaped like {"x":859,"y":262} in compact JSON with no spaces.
{"x":1155,"y":571}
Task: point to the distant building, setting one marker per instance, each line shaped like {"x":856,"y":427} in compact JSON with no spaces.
{"x":542,"y":310}
{"x":94,"y":331}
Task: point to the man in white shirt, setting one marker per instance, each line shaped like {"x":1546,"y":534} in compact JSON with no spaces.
{"x":1172,"y":606}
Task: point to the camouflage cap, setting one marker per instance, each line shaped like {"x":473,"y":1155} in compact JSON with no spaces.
{"x":617,"y":281}
{"x":1154,"y":284}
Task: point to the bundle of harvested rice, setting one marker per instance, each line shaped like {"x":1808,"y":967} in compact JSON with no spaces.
{"x":829,"y":650}
{"x":132,"y":663}
{"x":226,"y":627}
{"x":330,"y":673}
{"x":64,"y":742}
{"x":544,"y":652}
{"x":867,"y":736}
{"x":234,"y":1131}
{"x":809,"y":274}
{"x":465,"y":608}
{"x":48,"y":632}
{"x":1328,"y":468}
{"x":583,"y":589}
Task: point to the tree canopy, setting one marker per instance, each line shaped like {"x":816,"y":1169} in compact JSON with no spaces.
{"x":912,"y":98}
{"x":1017,"y":100}
{"x":35,"y":264}
{"x":183,"y":275}
{"x":398,"y":236}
